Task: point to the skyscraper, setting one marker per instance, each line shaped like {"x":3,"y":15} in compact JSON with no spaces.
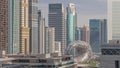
{"x":14,"y":26}
{"x":4,"y":25}
{"x":56,"y":19}
{"x":24,"y":27}
{"x":41,"y":34}
{"x":78,"y":33}
{"x":85,"y":34}
{"x":71,"y":23}
{"x":49,"y":40}
{"x":98,"y":33}
{"x":33,"y":20}
{"x":113,"y":19}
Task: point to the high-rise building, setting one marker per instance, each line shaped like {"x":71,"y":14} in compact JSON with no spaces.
{"x":78,"y":33}
{"x":4,"y":25}
{"x":71,"y":23}
{"x":113,"y":19}
{"x":98,"y":33}
{"x":56,"y":19}
{"x":24,"y":27}
{"x":33,"y":20}
{"x":85,"y":34}
{"x":14,"y":26}
{"x":49,"y":40}
{"x":42,"y":35}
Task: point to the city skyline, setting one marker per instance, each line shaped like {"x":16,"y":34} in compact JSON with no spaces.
{"x":86,"y":9}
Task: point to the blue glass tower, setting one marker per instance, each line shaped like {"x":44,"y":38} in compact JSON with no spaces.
{"x":71,"y":23}
{"x":98,"y":33}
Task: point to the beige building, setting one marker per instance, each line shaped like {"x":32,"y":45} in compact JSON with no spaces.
{"x":50,"y":40}
{"x":85,"y":34}
{"x":24,"y":27}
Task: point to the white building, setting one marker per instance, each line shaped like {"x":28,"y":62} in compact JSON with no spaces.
{"x":49,"y":40}
{"x":110,"y":57}
{"x":113,"y":19}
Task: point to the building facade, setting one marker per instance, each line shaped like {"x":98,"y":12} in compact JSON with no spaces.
{"x":56,"y":19}
{"x":78,"y":33}
{"x":113,"y":19}
{"x":14,"y":26}
{"x":71,"y":23}
{"x":110,"y":57}
{"x":4,"y":25}
{"x":24,"y":27}
{"x":33,"y":20}
{"x":98,"y":33}
{"x":85,"y":34}
{"x":49,"y":40}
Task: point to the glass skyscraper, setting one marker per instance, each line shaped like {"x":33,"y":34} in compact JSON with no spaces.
{"x":98,"y":33}
{"x":33,"y":20}
{"x":56,"y":19}
{"x":113,"y":19}
{"x":71,"y":23}
{"x":14,"y":26}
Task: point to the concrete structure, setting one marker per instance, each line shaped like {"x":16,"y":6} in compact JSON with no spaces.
{"x":71,"y":23}
{"x":110,"y":57}
{"x":24,"y":27}
{"x":41,"y":61}
{"x":56,"y":19}
{"x":14,"y":26}
{"x":33,"y":20}
{"x":85,"y":34}
{"x":98,"y":33}
{"x":49,"y":40}
{"x":113,"y":19}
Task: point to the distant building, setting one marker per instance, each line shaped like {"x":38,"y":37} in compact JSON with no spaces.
{"x":85,"y":34}
{"x":71,"y":15}
{"x":110,"y":57}
{"x":113,"y":19}
{"x":56,"y":19}
{"x":49,"y":40}
{"x":14,"y":26}
{"x":98,"y":33}
{"x":57,"y":47}
{"x":42,"y":36}
{"x":24,"y":27}
{"x":33,"y":20}
{"x":78,"y":34}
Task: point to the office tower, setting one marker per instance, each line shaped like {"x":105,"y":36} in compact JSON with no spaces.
{"x":78,"y":33}
{"x":37,"y":48}
{"x":85,"y":34}
{"x":56,"y":19}
{"x":71,"y":23}
{"x":4,"y":25}
{"x":113,"y":19}
{"x":33,"y":20}
{"x":98,"y":33}
{"x":14,"y":26}
{"x":110,"y":57}
{"x":42,"y":35}
{"x":49,"y":40}
{"x":24,"y":27}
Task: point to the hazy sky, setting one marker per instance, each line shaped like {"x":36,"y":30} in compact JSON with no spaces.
{"x":86,"y":9}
